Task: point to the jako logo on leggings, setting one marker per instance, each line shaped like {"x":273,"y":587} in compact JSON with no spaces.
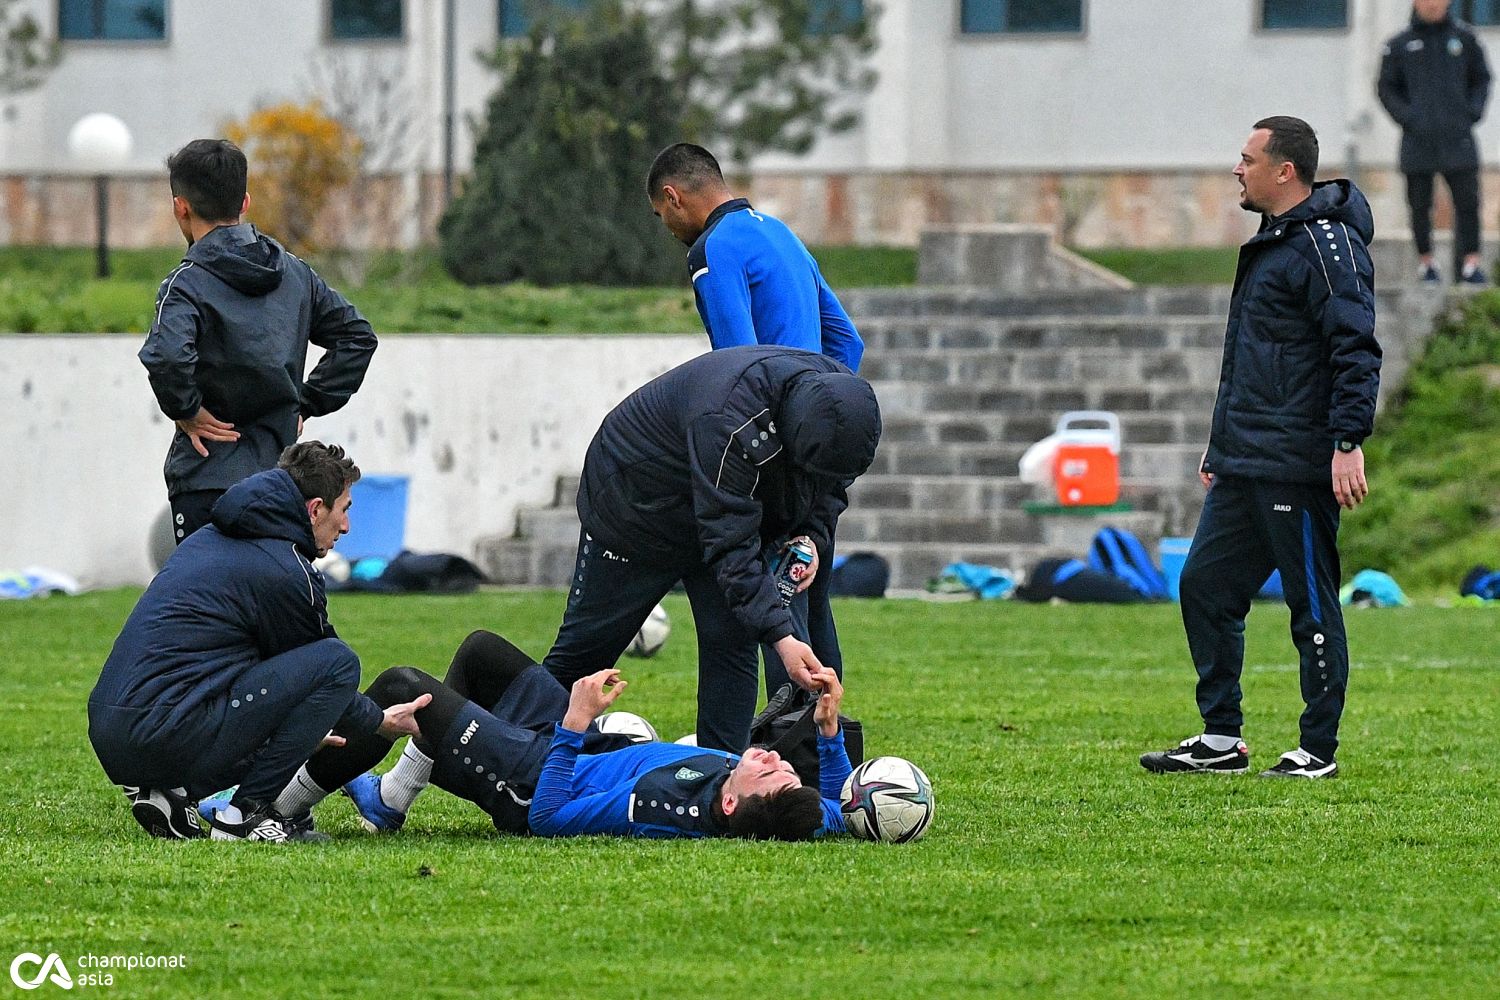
{"x":473,"y":727}
{"x":52,"y":965}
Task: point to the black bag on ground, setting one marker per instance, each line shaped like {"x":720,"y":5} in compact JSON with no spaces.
{"x":786,"y":725}
{"x":1071,"y":580}
{"x":862,"y":574}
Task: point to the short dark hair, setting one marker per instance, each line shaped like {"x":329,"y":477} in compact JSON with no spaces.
{"x":1292,"y":141}
{"x":210,"y":174}
{"x":789,"y":814}
{"x":689,"y":166}
{"x":319,"y":470}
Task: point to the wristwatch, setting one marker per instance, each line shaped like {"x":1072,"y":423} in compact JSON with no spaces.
{"x":1345,"y":446}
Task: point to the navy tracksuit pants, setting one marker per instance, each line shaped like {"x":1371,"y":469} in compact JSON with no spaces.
{"x":257,"y":734}
{"x":610,"y":596}
{"x":1247,"y":529}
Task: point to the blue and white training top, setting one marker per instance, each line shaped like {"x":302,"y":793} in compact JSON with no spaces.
{"x":755,"y":283}
{"x":653,"y":789}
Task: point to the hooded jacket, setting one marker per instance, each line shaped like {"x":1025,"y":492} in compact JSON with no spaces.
{"x":1434,"y":81}
{"x":232,"y":326}
{"x":725,"y":454}
{"x":237,"y":592}
{"x":1301,"y":365}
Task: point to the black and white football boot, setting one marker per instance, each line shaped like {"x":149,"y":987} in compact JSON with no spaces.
{"x":1299,"y":763}
{"x":165,"y":813}
{"x":265,"y":824}
{"x":1193,"y":756}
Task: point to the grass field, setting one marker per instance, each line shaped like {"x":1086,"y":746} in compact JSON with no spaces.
{"x":1054,"y":866}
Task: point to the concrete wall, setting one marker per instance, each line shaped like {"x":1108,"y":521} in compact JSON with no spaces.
{"x":480,"y":424}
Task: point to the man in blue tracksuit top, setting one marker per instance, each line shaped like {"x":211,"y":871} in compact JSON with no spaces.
{"x":227,"y":670}
{"x":755,"y":283}
{"x":501,"y":732}
{"x":1296,"y":399}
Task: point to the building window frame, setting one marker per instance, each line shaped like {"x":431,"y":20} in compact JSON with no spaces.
{"x":105,"y":40}
{"x":1014,"y":36}
{"x":1259,"y":27}
{"x":330,"y":37}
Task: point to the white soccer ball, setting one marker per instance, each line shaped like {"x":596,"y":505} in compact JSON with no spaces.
{"x":652,"y":635}
{"x":628,"y":724}
{"x":333,"y":566}
{"x":887,"y":799}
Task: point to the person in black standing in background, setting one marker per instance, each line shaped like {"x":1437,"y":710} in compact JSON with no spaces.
{"x":1434,"y":81}
{"x":228,"y":345}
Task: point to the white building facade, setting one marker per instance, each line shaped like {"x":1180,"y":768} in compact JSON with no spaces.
{"x":1116,"y":121}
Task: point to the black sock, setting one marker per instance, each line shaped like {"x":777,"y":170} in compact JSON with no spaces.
{"x":333,"y":767}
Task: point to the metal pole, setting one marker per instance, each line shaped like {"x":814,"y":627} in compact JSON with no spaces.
{"x":101,"y":218}
{"x":449,"y":43}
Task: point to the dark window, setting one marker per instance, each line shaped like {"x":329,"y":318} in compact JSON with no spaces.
{"x":516,"y":15}
{"x":1278,"y":15}
{"x":1020,"y":16}
{"x":1484,"y":12}
{"x":115,"y":20}
{"x":364,"y":19}
{"x":833,"y":17}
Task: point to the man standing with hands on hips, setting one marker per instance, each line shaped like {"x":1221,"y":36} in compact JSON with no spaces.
{"x":1296,"y":398}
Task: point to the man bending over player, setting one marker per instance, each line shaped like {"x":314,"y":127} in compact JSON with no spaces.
{"x":535,"y":761}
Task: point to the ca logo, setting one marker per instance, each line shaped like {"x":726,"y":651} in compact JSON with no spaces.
{"x":51,"y":964}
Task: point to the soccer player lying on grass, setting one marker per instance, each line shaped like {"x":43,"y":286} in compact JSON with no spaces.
{"x":536,"y":762}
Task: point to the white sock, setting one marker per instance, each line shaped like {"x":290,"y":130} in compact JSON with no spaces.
{"x":1220,"y":743}
{"x":299,"y":795}
{"x":400,"y":786}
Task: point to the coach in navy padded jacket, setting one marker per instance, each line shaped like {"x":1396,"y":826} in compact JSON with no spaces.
{"x":700,"y":475}
{"x":1297,"y":391}
{"x":227,"y":670}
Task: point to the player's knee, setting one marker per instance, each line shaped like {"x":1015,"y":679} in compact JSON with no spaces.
{"x":399,"y":685}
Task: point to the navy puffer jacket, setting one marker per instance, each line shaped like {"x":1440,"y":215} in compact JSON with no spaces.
{"x":1301,"y":364}
{"x":725,"y":454}
{"x":237,"y":592}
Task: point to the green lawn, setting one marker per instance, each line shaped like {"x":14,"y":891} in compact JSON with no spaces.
{"x":1169,"y":265}
{"x":53,"y":290}
{"x":1054,"y":866}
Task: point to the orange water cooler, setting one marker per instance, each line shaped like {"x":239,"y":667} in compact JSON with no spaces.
{"x":1086,"y":464}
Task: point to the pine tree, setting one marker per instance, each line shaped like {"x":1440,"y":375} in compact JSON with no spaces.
{"x":557,"y":193}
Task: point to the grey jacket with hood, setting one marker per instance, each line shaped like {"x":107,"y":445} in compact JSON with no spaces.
{"x":232,"y":326}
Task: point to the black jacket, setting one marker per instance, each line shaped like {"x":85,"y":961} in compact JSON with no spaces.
{"x":232,"y":326}
{"x":1434,"y":82}
{"x":1301,"y":364}
{"x":237,"y":592}
{"x":719,"y":457}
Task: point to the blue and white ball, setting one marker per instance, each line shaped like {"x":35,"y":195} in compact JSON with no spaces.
{"x":652,"y":635}
{"x":628,"y":724}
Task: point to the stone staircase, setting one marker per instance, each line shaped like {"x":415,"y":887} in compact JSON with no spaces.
{"x":967,"y":380}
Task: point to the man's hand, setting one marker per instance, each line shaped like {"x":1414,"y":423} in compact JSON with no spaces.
{"x":799,"y":660}
{"x":826,"y":715}
{"x":1349,"y":486}
{"x":1206,"y":478}
{"x":812,"y":568}
{"x":205,"y":426}
{"x":332,"y":740}
{"x":401,"y":720}
{"x":591,"y":695}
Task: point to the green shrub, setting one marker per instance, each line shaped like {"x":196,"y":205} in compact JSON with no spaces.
{"x":557,"y":194}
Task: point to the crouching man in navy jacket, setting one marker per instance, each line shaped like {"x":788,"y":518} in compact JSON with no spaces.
{"x":702,"y":475}
{"x":502,"y":733}
{"x":227,"y":671}
{"x":1296,"y":400}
